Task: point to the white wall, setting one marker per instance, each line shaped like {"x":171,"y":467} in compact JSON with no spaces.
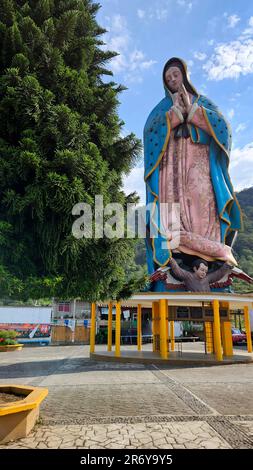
{"x":25,"y":314}
{"x":251,"y":319}
{"x":178,"y":329}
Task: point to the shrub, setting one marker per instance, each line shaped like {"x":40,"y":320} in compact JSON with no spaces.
{"x":7,"y":337}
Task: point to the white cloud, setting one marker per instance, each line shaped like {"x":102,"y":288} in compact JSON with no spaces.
{"x":162,"y":9}
{"x":119,"y":39}
{"x":119,"y":43}
{"x":136,"y":56}
{"x":230,"y":60}
{"x":235,"y":97}
{"x":161,"y":14}
{"x":133,"y":78}
{"x":159,"y":11}
{"x":141,"y":13}
{"x":135,"y":182}
{"x":212,"y":24}
{"x":249,"y":31}
{"x":241,"y":127}
{"x":186,"y":4}
{"x":137,"y":61}
{"x":189,"y":64}
{"x":118,"y":23}
{"x":200,"y":55}
{"x":118,"y":63}
{"x":231,"y":113}
{"x":202,"y":89}
{"x":146,"y":64}
{"x":233,"y":20}
{"x":240,"y":163}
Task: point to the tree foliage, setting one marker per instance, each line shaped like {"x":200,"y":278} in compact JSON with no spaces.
{"x":60,"y":144}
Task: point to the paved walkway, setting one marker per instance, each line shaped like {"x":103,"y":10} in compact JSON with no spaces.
{"x":96,"y":405}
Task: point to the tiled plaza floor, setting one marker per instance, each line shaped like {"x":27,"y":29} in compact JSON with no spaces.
{"x":96,"y":405}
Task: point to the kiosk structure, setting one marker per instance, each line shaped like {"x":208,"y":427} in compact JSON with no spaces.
{"x":213,"y":309}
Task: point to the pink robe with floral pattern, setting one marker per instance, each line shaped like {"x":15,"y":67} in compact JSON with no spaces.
{"x":185,"y":178}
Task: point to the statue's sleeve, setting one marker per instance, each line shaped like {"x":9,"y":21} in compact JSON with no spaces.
{"x":175,"y":116}
{"x":217,"y":275}
{"x":196,"y":117}
{"x":180,"y":273}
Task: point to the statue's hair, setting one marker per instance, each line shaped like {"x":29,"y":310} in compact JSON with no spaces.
{"x":197,"y":262}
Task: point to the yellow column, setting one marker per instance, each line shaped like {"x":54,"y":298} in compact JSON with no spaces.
{"x":247,"y":328}
{"x":155,"y":325}
{"x":93,"y":327}
{"x":109,"y":328}
{"x":172,"y":335}
{"x":209,"y":337}
{"x":217,"y":334}
{"x":117,"y":329}
{"x":227,"y":338}
{"x":163,"y":307}
{"x":168,"y":329}
{"x":139,"y":339}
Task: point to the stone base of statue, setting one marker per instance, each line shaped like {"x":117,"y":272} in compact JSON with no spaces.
{"x":195,"y":275}
{"x":170,"y":284}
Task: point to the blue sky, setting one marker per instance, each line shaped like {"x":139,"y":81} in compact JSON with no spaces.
{"x":214,"y":37}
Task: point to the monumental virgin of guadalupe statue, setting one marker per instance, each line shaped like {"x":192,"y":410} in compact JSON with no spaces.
{"x":187,"y":146}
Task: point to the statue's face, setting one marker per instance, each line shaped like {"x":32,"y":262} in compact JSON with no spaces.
{"x":201,"y":271}
{"x":174,"y":78}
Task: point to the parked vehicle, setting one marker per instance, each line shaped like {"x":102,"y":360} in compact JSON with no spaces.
{"x":238,"y":337}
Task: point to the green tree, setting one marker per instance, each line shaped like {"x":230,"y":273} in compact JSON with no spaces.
{"x":60,"y":144}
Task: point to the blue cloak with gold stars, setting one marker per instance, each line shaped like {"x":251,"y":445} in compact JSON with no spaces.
{"x":156,"y":139}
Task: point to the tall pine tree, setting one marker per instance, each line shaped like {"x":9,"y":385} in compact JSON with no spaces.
{"x":60,"y":144}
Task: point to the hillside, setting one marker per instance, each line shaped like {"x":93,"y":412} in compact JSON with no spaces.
{"x":243,"y":246}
